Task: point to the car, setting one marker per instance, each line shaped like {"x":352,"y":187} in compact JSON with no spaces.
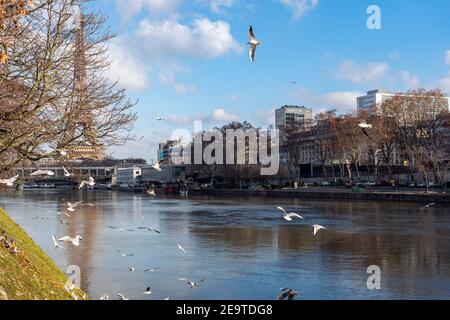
{"x":325,"y":184}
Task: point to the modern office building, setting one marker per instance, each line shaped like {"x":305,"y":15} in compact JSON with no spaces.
{"x":292,"y":117}
{"x":129,"y":176}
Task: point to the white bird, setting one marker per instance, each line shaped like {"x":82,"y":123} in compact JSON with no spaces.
{"x":428,"y":206}
{"x":364,"y":126}
{"x":157,"y":167}
{"x":158,"y":118}
{"x":71,"y":206}
{"x":89,"y":183}
{"x":191,"y":283}
{"x":131,"y":269}
{"x":65,"y":213}
{"x":75,"y":241}
{"x":289,"y":216}
{"x":151,"y":192}
{"x":55,"y":243}
{"x":150,"y":270}
{"x":253,"y":44}
{"x":167,"y":299}
{"x":9,"y":182}
{"x":43,"y":173}
{"x":317,"y":228}
{"x":124,"y":254}
{"x":104,"y":297}
{"x":62,"y":152}
{"x":66,"y":173}
{"x":147,"y":292}
{"x":181,"y":248}
{"x":122,"y":297}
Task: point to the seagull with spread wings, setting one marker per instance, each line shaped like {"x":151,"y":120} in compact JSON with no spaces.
{"x":253,"y":43}
{"x":289,"y":216}
{"x":9,"y":182}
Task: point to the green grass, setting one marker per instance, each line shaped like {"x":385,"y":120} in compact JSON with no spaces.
{"x":31,"y":274}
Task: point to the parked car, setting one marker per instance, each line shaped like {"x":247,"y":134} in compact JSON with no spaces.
{"x":325,"y":184}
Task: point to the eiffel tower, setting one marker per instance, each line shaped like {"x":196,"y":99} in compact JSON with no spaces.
{"x":88,"y":146}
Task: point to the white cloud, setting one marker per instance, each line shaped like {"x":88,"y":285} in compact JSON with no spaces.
{"x":447,"y":57}
{"x":167,"y":78}
{"x":343,"y":101}
{"x":444,"y":84}
{"x":126,"y":68}
{"x":218,"y":5}
{"x":371,"y":72}
{"x":179,"y":119}
{"x":154,"y":7}
{"x":394,"y":55}
{"x":222,"y":115}
{"x":300,"y":7}
{"x":169,"y":37}
{"x":410,"y":80}
{"x":235,"y":97}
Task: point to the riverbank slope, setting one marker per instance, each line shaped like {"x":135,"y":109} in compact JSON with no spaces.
{"x":27,"y":274}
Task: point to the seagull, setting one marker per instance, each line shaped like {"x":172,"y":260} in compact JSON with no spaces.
{"x":149,"y":229}
{"x":89,"y":183}
{"x":104,"y":297}
{"x":287,"y":293}
{"x":124,"y":254}
{"x":289,"y":216}
{"x":428,"y":206}
{"x":317,"y":228}
{"x":157,"y":167}
{"x":191,"y":283}
{"x":66,"y":173}
{"x":166,"y":299}
{"x":147,"y":292}
{"x":131,"y":269}
{"x":63,"y":222}
{"x":43,"y":173}
{"x":158,"y":118}
{"x":75,"y":241}
{"x":120,"y":229}
{"x":151,"y":192}
{"x":293,"y":82}
{"x":181,"y":248}
{"x":71,"y":206}
{"x":122,"y":297}
{"x":55,"y":243}
{"x":150,"y":270}
{"x":9,"y":182}
{"x":253,"y":44}
{"x":364,"y":126}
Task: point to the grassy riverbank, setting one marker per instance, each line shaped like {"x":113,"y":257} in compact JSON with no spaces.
{"x":28,"y":274}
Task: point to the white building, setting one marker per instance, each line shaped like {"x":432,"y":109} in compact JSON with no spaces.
{"x":377,"y":97}
{"x":129,"y":176}
{"x":292,"y":117}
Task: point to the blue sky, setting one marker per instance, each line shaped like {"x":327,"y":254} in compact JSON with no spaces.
{"x":166,"y":56}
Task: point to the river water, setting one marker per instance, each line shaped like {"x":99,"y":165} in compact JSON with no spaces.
{"x":241,"y":246}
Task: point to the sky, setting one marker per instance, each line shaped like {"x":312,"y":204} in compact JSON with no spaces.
{"x":188,"y":60}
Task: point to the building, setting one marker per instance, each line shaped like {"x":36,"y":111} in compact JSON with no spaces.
{"x":292,"y":117}
{"x":165,"y":150}
{"x":376,"y":97}
{"x":129,"y":176}
{"x":168,"y":174}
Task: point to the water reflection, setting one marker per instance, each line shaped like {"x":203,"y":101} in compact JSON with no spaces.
{"x":243,"y":247}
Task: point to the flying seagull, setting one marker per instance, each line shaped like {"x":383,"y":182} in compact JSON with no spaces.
{"x":104,"y":297}
{"x":89,"y":183}
{"x":66,"y":173}
{"x":289,"y":216}
{"x":157,"y":167}
{"x":150,"y":270}
{"x":75,"y":241}
{"x":149,"y":229}
{"x":317,"y":228}
{"x":43,"y":173}
{"x":65,"y":213}
{"x":428,"y":206}
{"x":124,"y":254}
{"x":287,"y":293}
{"x":253,"y":44}
{"x":158,"y":118}
{"x":147,"y":291}
{"x":9,"y":182}
{"x":55,"y":243}
{"x":121,"y":296}
{"x":191,"y":283}
{"x":181,"y":248}
{"x":364,"y":126}
{"x":151,"y":192}
{"x":131,"y":269}
{"x":71,"y":206}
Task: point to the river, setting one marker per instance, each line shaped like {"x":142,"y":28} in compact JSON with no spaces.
{"x":241,"y":246}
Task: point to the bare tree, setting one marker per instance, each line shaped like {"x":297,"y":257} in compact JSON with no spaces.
{"x":41,"y":103}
